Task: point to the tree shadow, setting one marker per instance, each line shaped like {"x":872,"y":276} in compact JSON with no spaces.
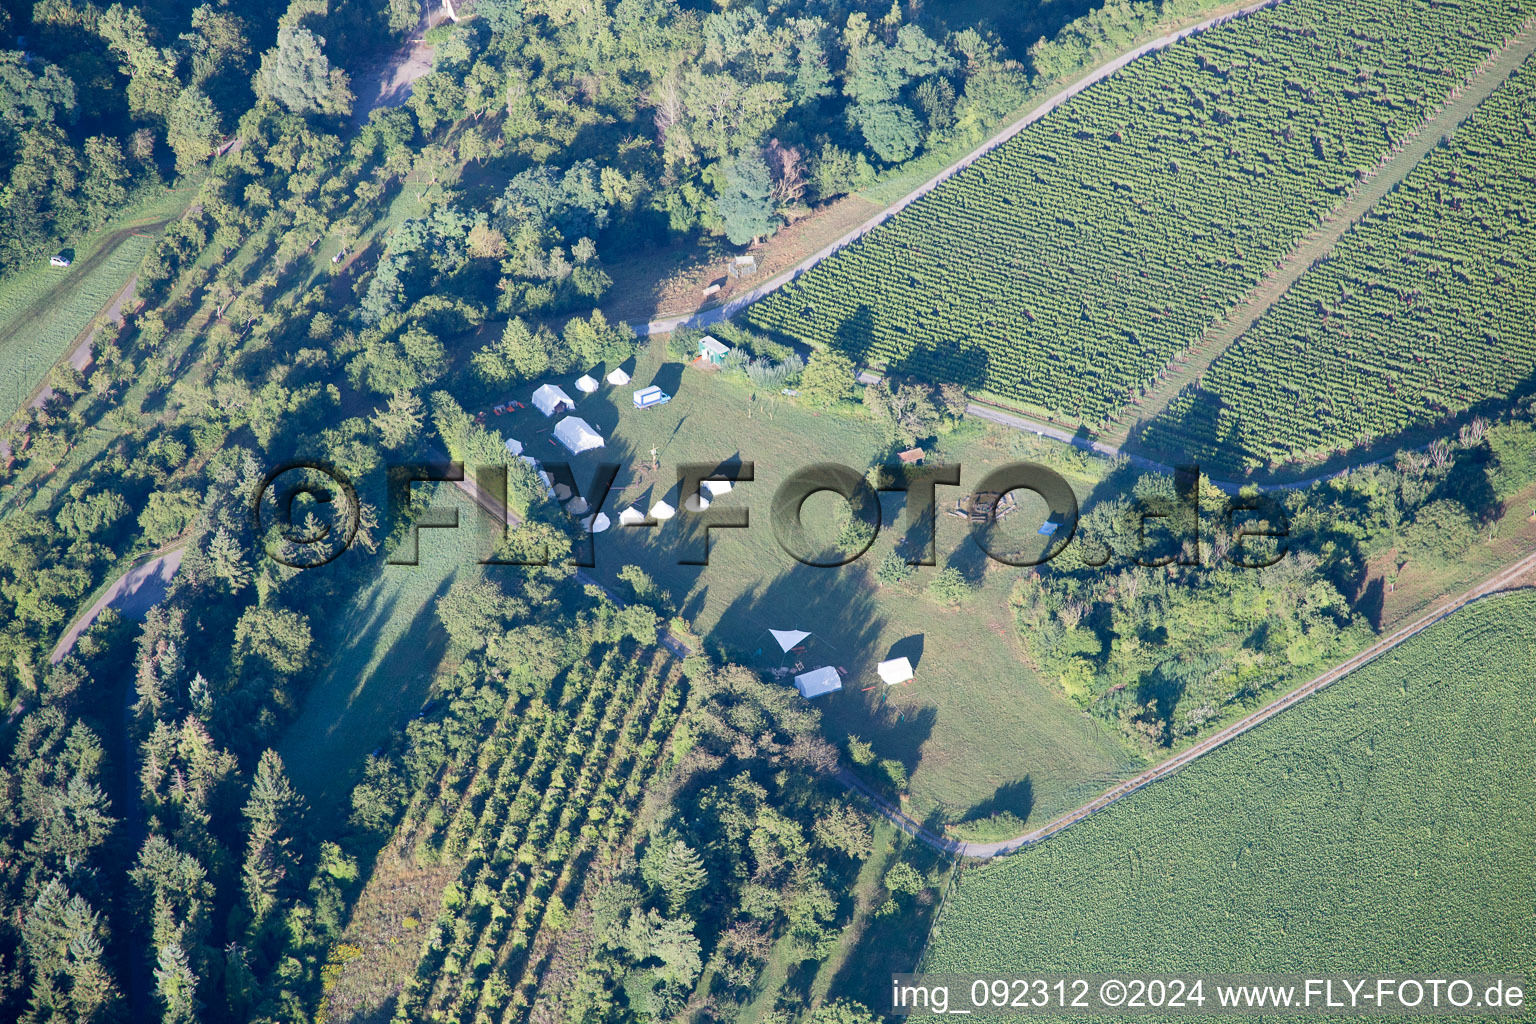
{"x":960,"y":361}
{"x":909,"y":647}
{"x":669,"y":377}
{"x":855,"y":336}
{"x":1015,"y":798}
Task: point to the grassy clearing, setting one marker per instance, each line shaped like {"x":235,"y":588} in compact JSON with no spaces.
{"x":43,"y":309}
{"x":385,"y":646}
{"x":976,"y":720}
{"x":1412,"y":778}
{"x":43,"y":325}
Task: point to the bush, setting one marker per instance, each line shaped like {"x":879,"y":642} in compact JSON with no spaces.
{"x":949,"y":587}
{"x":1441,"y":530}
{"x":683,"y":344}
{"x":893,"y":570}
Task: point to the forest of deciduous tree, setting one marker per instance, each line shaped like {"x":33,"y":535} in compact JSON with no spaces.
{"x":156,"y":862}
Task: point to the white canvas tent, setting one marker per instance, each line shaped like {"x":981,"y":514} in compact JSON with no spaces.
{"x":597,"y":523}
{"x":514,"y":446}
{"x":697,"y":503}
{"x":577,"y":435}
{"x":897,"y":670}
{"x":549,"y":400}
{"x":788,"y":638}
{"x":617,"y":377}
{"x":577,"y":506}
{"x":630,"y":516}
{"x":715,"y":488}
{"x":818,"y":681}
{"x":586,"y":383}
{"x":661,"y":510}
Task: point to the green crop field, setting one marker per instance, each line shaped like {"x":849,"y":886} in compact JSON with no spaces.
{"x":1065,"y":270}
{"x":1422,"y":312}
{"x":1383,"y":824}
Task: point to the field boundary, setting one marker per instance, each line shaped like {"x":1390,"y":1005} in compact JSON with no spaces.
{"x":1460,"y":105}
{"x":1500,"y":582}
{"x":707,"y":317}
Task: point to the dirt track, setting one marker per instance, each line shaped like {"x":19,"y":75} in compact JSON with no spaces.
{"x":1504,"y":579}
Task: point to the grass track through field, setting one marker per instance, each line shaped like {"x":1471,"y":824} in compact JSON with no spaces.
{"x":28,"y":355}
{"x":1439,"y":126}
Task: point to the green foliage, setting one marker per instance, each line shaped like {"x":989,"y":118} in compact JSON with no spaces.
{"x":297,"y":74}
{"x":1008,"y":297}
{"x":1417,"y":315}
{"x":949,"y":586}
{"x":829,"y":378}
{"x":744,"y":203}
{"x":168,"y":514}
{"x":192,"y":129}
{"x":1441,"y":531}
{"x":1175,"y":871}
{"x":893,"y":570}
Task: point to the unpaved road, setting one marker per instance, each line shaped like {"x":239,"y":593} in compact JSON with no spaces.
{"x":133,"y":595}
{"x":713,"y":316}
{"x":389,"y":85}
{"x":1505,"y":579}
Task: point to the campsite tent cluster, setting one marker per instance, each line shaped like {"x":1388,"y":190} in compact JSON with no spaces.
{"x":826,"y":678}
{"x":574,"y":432}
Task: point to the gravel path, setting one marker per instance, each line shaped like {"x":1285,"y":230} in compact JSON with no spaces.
{"x":707,"y":317}
{"x":133,"y":595}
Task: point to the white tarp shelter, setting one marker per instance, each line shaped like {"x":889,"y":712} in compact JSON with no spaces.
{"x":631,"y":516}
{"x":818,"y":681}
{"x":586,"y":383}
{"x":577,"y":435}
{"x":617,"y":377}
{"x":551,"y":400}
{"x":597,"y":523}
{"x":661,"y":510}
{"x":788,"y":638}
{"x":715,"y":488}
{"x":697,"y":503}
{"x":897,"y":670}
{"x":514,"y":446}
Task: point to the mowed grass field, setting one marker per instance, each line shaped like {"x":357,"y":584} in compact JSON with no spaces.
{"x":975,"y":721}
{"x":1384,"y":824}
{"x":382,"y":650}
{"x":43,"y":309}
